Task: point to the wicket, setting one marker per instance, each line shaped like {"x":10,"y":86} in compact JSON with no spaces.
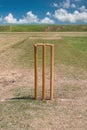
{"x":44,"y":70}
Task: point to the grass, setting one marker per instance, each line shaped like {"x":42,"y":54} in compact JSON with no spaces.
{"x":21,"y":112}
{"x":28,"y":114}
{"x":43,"y":28}
{"x":74,"y":52}
{"x":67,"y":52}
{"x":67,"y":89}
{"x":23,"y":92}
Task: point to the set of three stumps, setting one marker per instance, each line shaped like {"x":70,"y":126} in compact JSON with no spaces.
{"x":44,"y":46}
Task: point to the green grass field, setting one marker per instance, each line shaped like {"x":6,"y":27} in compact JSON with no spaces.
{"x":68,"y":51}
{"x":18,"y":109}
{"x":43,"y":28}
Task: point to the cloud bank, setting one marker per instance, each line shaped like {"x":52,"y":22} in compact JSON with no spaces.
{"x":65,"y":4}
{"x":29,"y":18}
{"x":65,"y":11}
{"x":64,"y":16}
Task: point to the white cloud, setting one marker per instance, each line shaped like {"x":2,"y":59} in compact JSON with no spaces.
{"x":10,"y":18}
{"x":61,"y":14}
{"x":48,"y":14}
{"x":83,"y":9}
{"x":29,"y":18}
{"x":47,"y":20}
{"x":55,"y":5}
{"x":66,"y":4}
{"x":74,"y":17}
{"x":73,"y":5}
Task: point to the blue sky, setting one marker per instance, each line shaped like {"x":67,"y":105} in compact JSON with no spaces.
{"x":43,"y":11}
